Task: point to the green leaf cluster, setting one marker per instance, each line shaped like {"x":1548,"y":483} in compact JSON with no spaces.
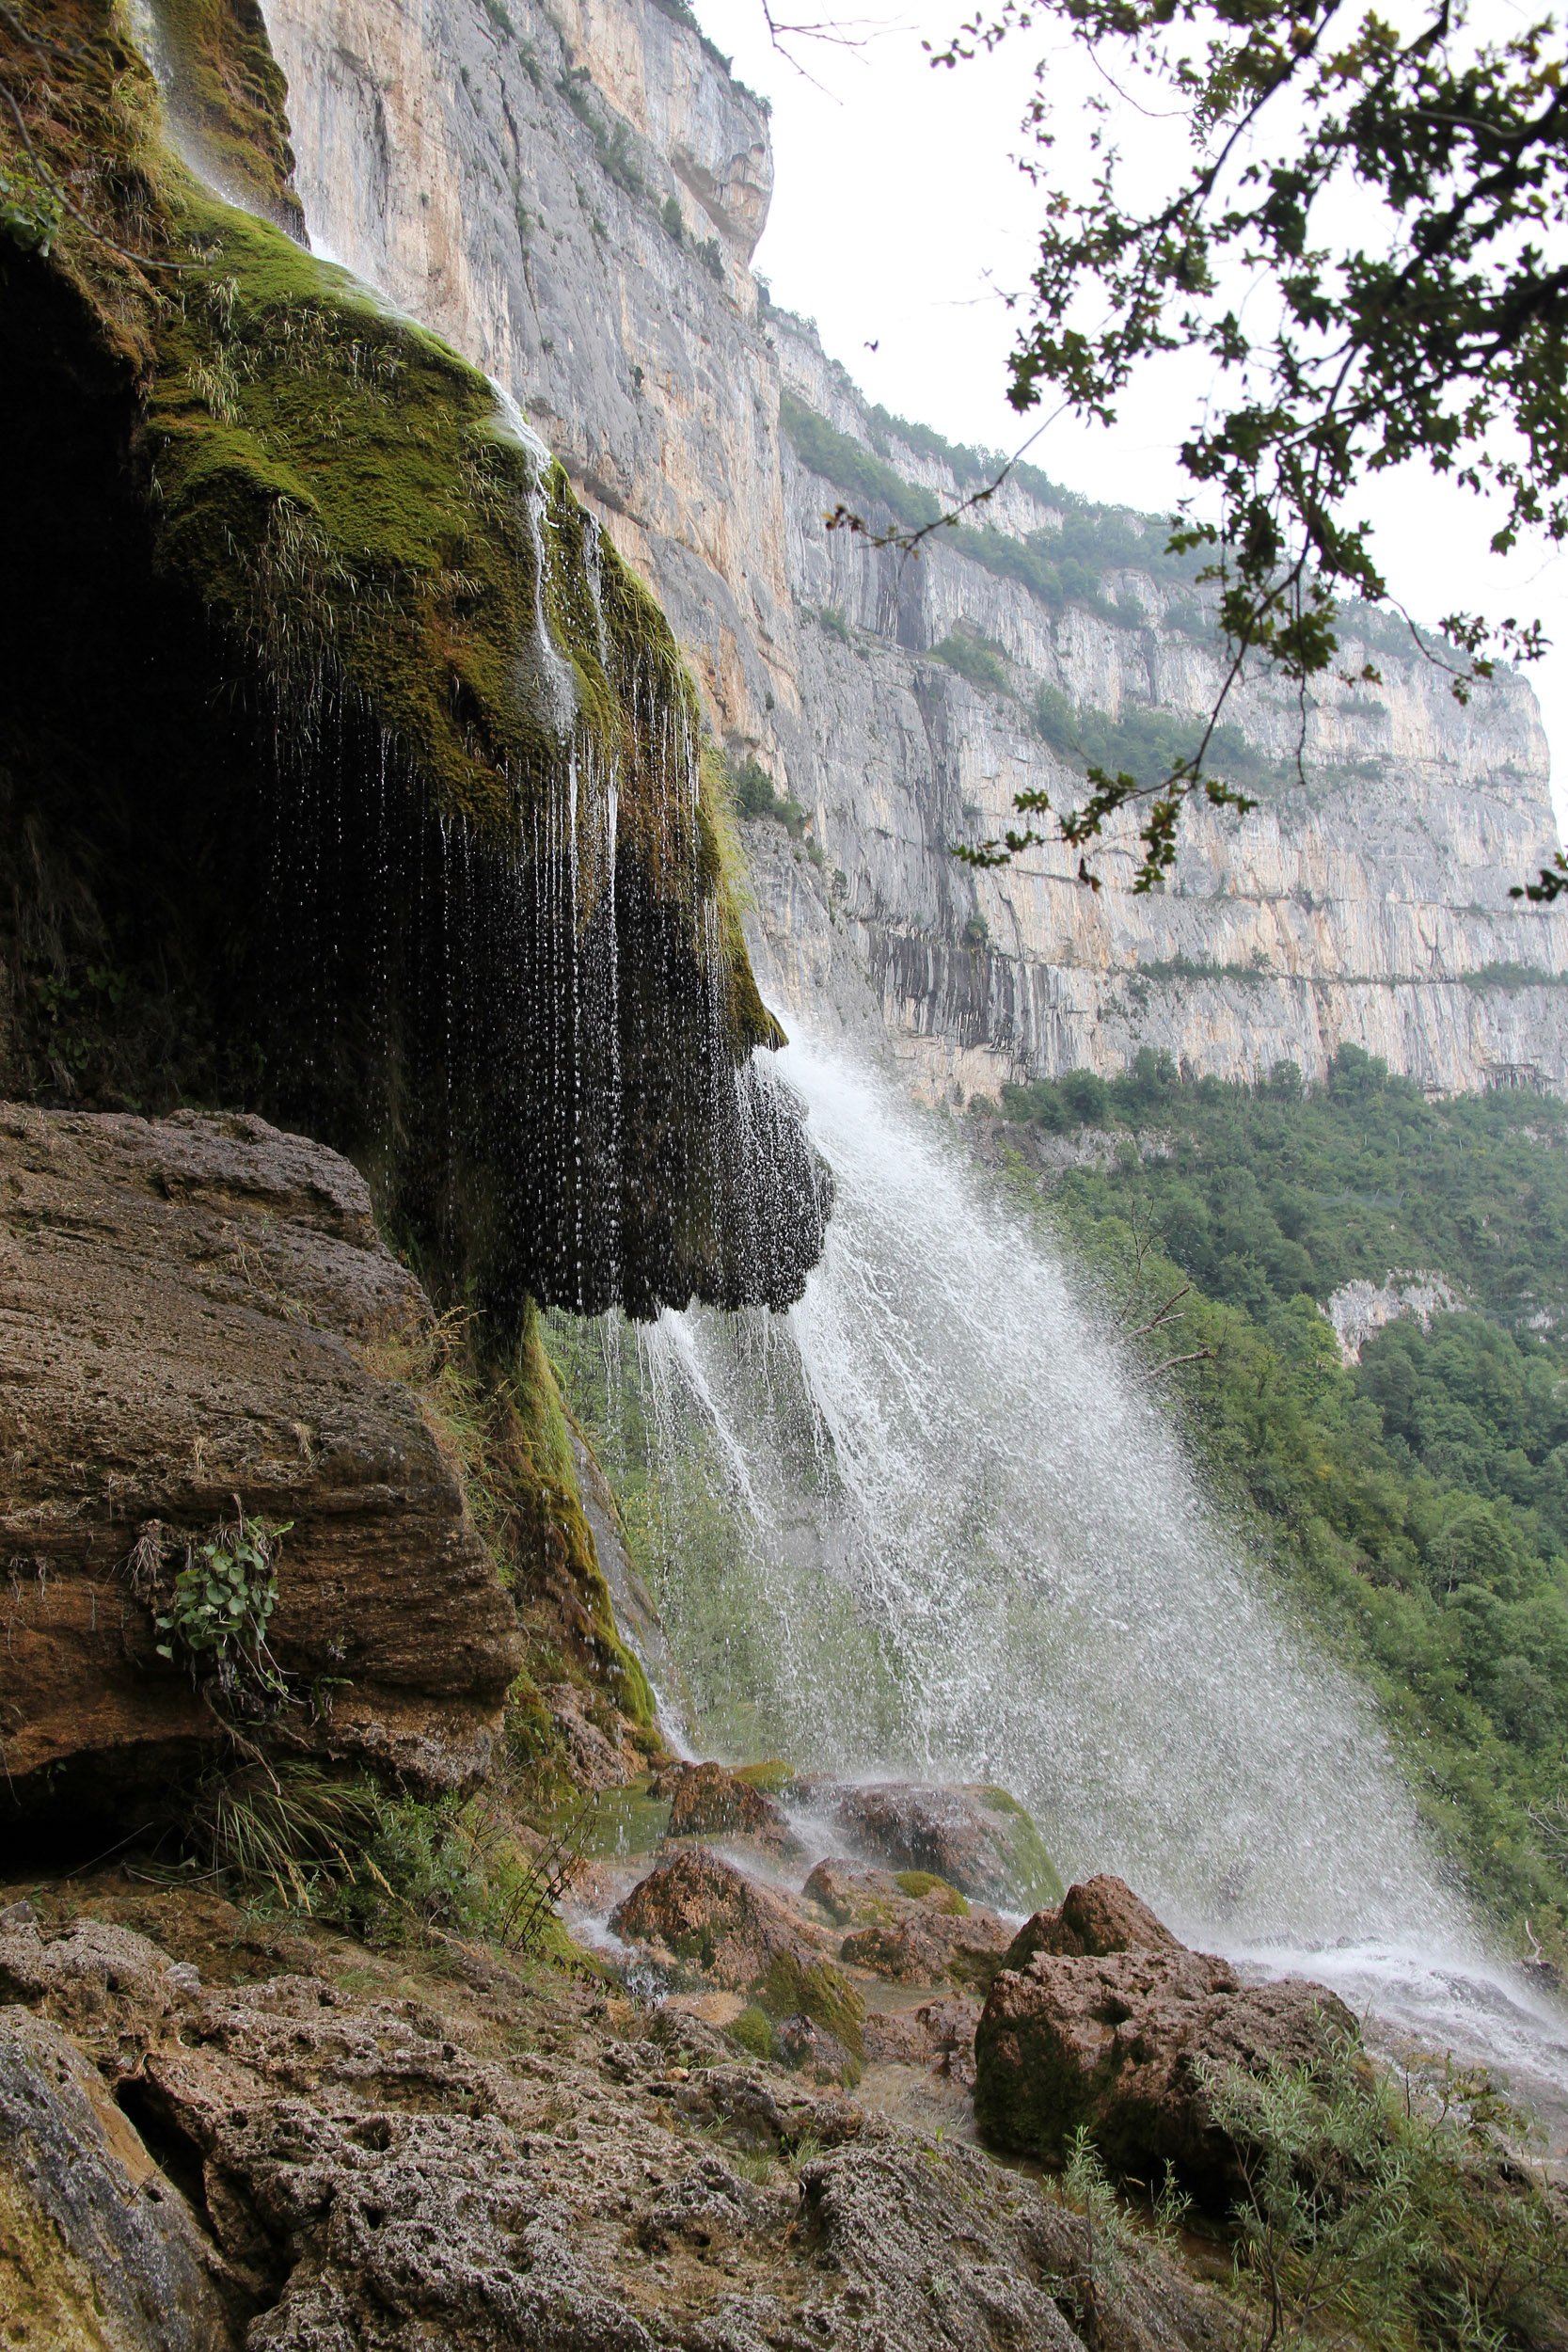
{"x":225,"y":1594}
{"x":214,"y":1615}
{"x":1425,"y":323}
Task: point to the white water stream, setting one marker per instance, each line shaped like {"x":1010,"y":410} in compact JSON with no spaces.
{"x":966,"y":1545}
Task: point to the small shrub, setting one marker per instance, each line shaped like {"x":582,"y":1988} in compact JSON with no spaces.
{"x":756,"y":795}
{"x":976,"y":658}
{"x":712,"y":258}
{"x":1087,"y":1096}
{"x":830,"y":618}
{"x":30,"y":210}
{"x":1391,"y":2211}
{"x":670,"y":218}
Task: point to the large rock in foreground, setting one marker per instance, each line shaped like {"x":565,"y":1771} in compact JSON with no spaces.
{"x":189,"y":1312}
{"x":1126,"y":2044}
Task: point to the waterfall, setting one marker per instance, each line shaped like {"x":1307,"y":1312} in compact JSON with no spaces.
{"x":933,"y":1522}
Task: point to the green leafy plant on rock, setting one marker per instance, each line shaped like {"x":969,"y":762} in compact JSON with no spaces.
{"x":212,"y":1615}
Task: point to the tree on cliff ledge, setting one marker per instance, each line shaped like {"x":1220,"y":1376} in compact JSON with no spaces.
{"x":1363,"y":228}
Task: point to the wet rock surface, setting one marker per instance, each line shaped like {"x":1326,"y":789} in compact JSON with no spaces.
{"x":1128,"y":2043}
{"x":98,"y":2243}
{"x":976,"y":1838}
{"x":1101,"y":1915}
{"x":470,"y":2159}
{"x":909,"y":1926}
{"x":703,"y":1909}
{"x":188,"y":1308}
{"x":707,"y":1801}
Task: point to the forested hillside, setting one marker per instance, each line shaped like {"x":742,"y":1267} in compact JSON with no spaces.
{"x":1416,"y":1503}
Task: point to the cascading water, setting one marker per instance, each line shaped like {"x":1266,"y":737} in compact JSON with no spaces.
{"x":932,"y":1523}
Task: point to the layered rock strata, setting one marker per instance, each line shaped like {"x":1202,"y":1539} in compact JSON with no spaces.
{"x":573,"y":198}
{"x":191,"y":1315}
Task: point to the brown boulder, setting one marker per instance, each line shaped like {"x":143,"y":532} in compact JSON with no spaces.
{"x":703,"y":1911}
{"x":1101,"y":1915}
{"x":188,"y":1311}
{"x":705,"y":1801}
{"x":1123,"y":2043}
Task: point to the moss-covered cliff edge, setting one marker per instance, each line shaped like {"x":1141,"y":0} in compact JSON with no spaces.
{"x":345,"y":771}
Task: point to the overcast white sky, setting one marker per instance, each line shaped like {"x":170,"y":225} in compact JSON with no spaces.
{"x":899,"y":219}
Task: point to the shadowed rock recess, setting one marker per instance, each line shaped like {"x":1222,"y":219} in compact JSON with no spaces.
{"x":347,"y":773}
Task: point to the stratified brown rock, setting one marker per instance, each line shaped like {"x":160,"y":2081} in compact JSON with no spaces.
{"x":1121,"y":2045}
{"x":1101,"y":1915}
{"x":185,"y":1311}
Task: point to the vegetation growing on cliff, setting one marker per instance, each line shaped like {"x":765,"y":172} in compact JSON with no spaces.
{"x":1063,"y":567}
{"x":345,"y":762}
{"x":1416,"y":1503}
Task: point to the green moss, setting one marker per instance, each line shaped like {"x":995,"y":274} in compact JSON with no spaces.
{"x":773,"y":1776}
{"x":752,"y":2032}
{"x":1036,"y":1880}
{"x":919,"y":1885}
{"x":417,"y":673}
{"x":229,"y":100}
{"x":814,"y":1989}
{"x":551,"y":1543}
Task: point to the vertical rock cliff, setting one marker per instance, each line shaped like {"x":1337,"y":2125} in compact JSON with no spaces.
{"x":572,"y":195}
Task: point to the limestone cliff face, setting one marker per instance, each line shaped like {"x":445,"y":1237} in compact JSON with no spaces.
{"x":573,"y":198}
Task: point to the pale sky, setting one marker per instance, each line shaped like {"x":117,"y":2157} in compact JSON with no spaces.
{"x":899,"y":219}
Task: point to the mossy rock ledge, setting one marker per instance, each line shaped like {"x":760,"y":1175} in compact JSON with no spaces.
{"x":348,"y":774}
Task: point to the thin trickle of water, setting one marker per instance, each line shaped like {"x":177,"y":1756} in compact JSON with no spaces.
{"x":557,"y":682}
